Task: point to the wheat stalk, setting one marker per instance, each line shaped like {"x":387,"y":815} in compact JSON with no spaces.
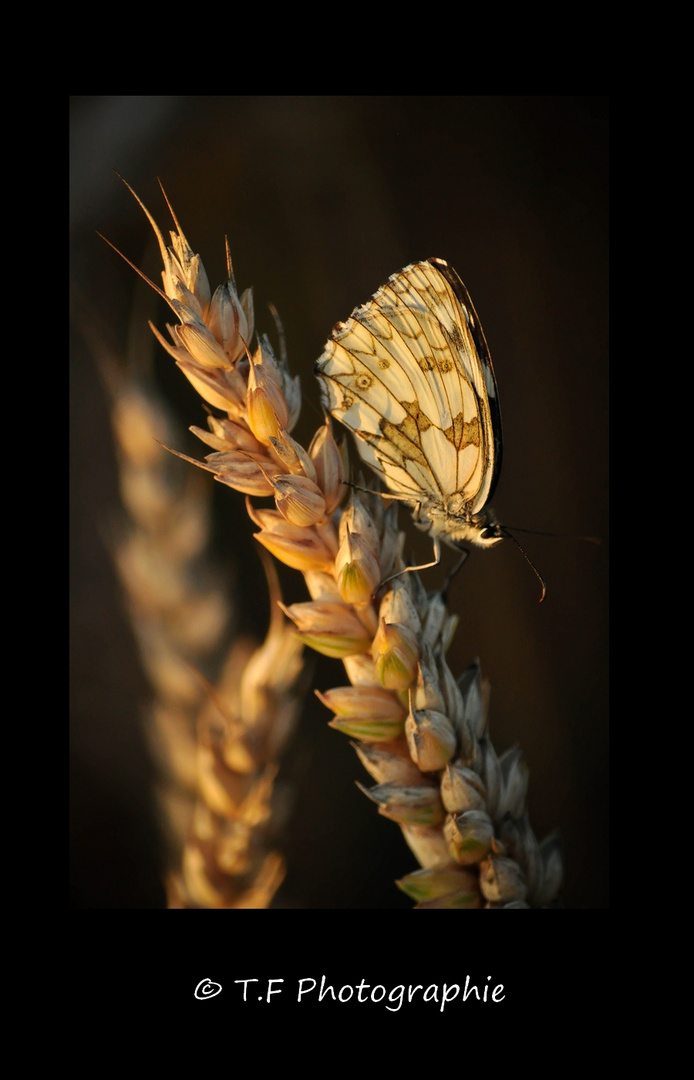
{"x":422,"y":735}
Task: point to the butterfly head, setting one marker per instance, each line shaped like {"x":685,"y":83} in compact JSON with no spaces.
{"x":483,"y":530}
{"x":455,"y":524}
{"x":489,"y":532}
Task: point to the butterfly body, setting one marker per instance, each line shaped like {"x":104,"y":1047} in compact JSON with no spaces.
{"x":409,"y":373}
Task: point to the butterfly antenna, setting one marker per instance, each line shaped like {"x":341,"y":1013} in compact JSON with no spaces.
{"x":566,"y":536}
{"x":534,"y":569}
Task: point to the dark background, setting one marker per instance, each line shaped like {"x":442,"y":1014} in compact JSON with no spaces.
{"x":322,"y":198}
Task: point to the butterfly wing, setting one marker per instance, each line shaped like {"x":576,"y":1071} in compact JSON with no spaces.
{"x":410,"y":374}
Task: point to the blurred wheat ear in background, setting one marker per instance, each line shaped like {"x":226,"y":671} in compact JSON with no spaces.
{"x":216,"y":744}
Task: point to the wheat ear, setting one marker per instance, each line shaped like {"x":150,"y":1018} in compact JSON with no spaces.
{"x":178,"y":622}
{"x":242,"y":730}
{"x":421,"y":734}
{"x":217,"y":747}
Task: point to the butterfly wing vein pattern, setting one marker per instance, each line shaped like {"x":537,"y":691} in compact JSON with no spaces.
{"x":409,"y":373}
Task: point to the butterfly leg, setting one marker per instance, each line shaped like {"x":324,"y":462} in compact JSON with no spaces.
{"x":451,"y":573}
{"x":424,"y":566}
{"x":380,"y":494}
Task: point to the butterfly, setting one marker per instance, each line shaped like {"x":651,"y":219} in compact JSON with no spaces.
{"x":409,"y":373}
